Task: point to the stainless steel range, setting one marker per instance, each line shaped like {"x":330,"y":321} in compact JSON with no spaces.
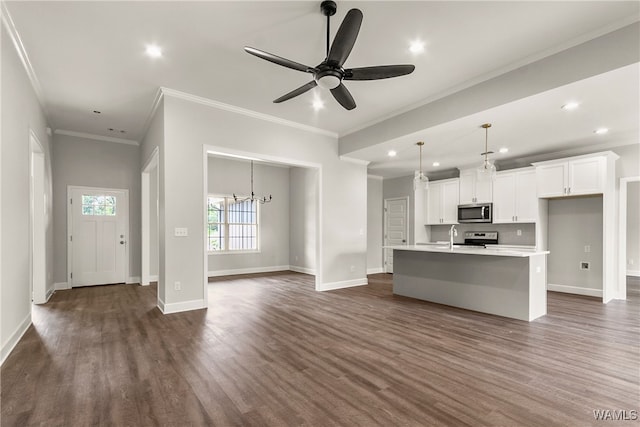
{"x":480,"y":238}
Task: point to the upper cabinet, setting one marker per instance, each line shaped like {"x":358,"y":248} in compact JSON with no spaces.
{"x":514,"y":196}
{"x":473,"y":190}
{"x":442,"y":202}
{"x":574,"y":176}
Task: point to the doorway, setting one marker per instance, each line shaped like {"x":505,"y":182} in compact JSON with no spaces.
{"x":626,"y":261}
{"x":37,"y":229}
{"x":396,"y":227}
{"x":98,"y":230}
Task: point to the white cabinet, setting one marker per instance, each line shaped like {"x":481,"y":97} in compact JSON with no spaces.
{"x":473,"y":190}
{"x":514,"y":196}
{"x":579,"y":176}
{"x":442,"y":202}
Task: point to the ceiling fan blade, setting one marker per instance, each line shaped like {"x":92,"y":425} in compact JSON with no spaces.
{"x":302,"y":89}
{"x":345,"y":37}
{"x":279,"y":60}
{"x":342,"y":95}
{"x":379,"y":72}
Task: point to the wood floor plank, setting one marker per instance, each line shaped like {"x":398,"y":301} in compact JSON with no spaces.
{"x":271,"y":351}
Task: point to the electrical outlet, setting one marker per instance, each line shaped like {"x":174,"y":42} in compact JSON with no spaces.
{"x":587,"y":248}
{"x":177,"y":286}
{"x":518,"y":232}
{"x":538,"y":269}
{"x":630,"y":262}
{"x":353,"y":268}
{"x":584,"y":265}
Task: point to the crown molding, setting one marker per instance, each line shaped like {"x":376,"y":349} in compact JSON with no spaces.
{"x":378,"y":177}
{"x":356,"y":161}
{"x":250,"y":113}
{"x":152,"y":112}
{"x":24,"y":58}
{"x":95,"y":137}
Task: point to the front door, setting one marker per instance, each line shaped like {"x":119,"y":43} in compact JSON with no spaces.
{"x":395,"y":227}
{"x":98,"y":236}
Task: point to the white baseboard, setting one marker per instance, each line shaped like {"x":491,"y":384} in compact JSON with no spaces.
{"x":251,"y":270}
{"x":304,"y":270}
{"x":375,"y":270}
{"x":61,"y":286}
{"x":342,"y":284}
{"x":634,"y":273}
{"x":15,"y":337}
{"x":177,"y":307}
{"x":50,"y":292}
{"x":575,"y":290}
{"x":133,"y":279}
{"x":153,"y":278}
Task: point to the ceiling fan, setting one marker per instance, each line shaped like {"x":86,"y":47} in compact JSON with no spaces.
{"x":330,"y":72}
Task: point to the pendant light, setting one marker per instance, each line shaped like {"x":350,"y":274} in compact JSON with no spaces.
{"x":420,"y":180}
{"x":487,"y":170}
{"x":262,"y":200}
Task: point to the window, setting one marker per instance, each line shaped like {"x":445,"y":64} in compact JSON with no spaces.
{"x":231,"y":226}
{"x":98,"y":205}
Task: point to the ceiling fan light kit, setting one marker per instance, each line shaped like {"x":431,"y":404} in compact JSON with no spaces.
{"x":330,"y":73}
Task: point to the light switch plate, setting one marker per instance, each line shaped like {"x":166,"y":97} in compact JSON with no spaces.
{"x":181,"y":232}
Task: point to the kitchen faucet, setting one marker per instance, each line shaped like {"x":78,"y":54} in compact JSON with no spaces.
{"x":452,"y":232}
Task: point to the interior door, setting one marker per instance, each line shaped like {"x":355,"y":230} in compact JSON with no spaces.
{"x":97,"y":235}
{"x":396,"y":223}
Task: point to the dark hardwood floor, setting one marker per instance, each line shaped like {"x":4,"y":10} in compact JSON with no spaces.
{"x":270,"y":351}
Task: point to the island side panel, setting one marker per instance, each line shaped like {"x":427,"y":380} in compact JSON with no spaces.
{"x":537,"y":286}
{"x":489,"y":284}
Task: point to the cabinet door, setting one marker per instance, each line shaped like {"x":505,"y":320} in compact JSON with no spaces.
{"x":484,"y":191}
{"x":586,"y":176}
{"x":550,"y":180}
{"x":526,"y":200}
{"x":467,"y":186}
{"x":450,"y":197}
{"x":434,"y":195}
{"x":504,"y":194}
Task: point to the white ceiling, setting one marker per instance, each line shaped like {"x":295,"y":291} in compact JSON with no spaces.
{"x":90,"y":56}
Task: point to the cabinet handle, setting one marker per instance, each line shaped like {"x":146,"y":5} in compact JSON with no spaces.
{"x":516,"y":217}
{"x":569,"y":190}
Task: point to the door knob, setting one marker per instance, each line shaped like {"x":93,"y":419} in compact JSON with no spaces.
{"x":404,"y":241}
{"x":122,"y":242}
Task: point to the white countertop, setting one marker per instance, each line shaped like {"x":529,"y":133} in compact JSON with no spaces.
{"x":495,"y":250}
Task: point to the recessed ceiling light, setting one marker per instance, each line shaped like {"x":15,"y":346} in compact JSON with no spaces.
{"x":416,"y":46}
{"x":436,"y":164}
{"x":391,"y":153}
{"x":153,"y":51}
{"x":601,"y":131}
{"x":504,"y":150}
{"x":570,"y":106}
{"x":318,"y":104}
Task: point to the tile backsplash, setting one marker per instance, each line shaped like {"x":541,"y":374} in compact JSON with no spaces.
{"x":507,"y":233}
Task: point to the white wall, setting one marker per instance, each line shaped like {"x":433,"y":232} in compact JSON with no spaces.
{"x":303,"y":206}
{"x":375,"y":207}
{"x":633,"y":228}
{"x":91,"y":163}
{"x":21,"y":113}
{"x":153,"y":225}
{"x":188,"y":127}
{"x":227,"y":177}
{"x":573,"y":224}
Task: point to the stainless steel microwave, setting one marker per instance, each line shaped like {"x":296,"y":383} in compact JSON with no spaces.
{"x":477,"y":212}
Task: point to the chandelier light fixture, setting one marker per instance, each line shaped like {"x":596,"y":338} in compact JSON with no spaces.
{"x":487,"y":170}
{"x":262,"y":200}
{"x":420,"y":180}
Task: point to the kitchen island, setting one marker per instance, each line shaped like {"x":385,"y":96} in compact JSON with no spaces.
{"x":509,"y":282}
